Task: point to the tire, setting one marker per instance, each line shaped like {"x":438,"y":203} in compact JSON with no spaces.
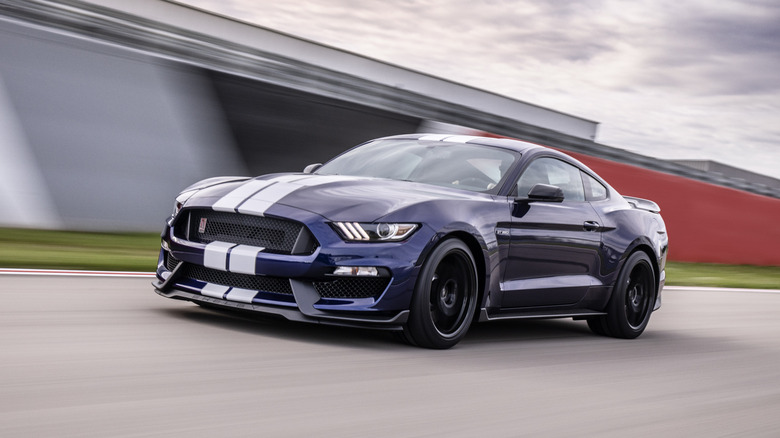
{"x":631,"y":304}
{"x":445,"y":297}
{"x":403,"y":337}
{"x":598,"y":325}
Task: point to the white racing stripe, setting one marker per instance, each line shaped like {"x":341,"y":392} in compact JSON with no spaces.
{"x":255,"y":207}
{"x":214,"y":290}
{"x":241,"y":295}
{"x":257,"y":196}
{"x":261,"y":201}
{"x":243,"y":259}
{"x":233,"y":199}
{"x":216,"y":254}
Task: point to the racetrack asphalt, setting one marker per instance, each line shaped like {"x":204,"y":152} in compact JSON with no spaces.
{"x":99,"y":357}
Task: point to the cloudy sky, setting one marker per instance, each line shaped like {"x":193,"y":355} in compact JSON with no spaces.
{"x":682,"y":79}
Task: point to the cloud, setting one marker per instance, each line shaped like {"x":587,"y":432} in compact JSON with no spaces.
{"x":666,"y":78}
{"x":711,"y":49}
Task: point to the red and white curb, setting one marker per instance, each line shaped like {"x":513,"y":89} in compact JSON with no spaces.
{"x":75,"y":273}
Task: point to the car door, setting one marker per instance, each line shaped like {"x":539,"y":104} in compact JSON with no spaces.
{"x":553,"y":257}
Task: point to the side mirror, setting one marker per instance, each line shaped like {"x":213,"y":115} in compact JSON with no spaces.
{"x":543,"y":193}
{"x":311,"y":168}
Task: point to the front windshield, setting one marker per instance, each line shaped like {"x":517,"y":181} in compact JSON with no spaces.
{"x":458,"y":165}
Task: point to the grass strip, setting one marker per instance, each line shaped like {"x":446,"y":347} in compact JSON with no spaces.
{"x":46,"y":249}
{"x":716,"y":275}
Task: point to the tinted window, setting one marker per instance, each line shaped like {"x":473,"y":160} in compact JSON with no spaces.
{"x":594,"y":190}
{"x":553,"y":172}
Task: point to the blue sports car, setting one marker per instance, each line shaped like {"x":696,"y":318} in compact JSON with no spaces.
{"x":422,"y":234}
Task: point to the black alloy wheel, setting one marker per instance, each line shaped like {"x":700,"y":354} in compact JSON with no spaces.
{"x":631,"y":304}
{"x":445,"y":297}
{"x":638,"y":294}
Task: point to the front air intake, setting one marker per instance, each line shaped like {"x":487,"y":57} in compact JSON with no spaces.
{"x":278,"y":236}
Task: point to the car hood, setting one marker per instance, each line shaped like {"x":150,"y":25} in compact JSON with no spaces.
{"x":335,"y":197}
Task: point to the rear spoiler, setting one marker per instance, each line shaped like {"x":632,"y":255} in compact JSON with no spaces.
{"x":643,"y":204}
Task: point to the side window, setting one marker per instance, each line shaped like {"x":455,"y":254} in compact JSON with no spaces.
{"x":554,"y":172}
{"x":594,"y":190}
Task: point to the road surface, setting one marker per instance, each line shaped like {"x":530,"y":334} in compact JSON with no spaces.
{"x":107,"y":357}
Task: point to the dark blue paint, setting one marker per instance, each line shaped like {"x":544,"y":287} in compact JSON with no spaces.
{"x":531,"y":256}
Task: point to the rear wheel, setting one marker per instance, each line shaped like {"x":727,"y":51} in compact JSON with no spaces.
{"x":445,"y":297}
{"x":631,"y":304}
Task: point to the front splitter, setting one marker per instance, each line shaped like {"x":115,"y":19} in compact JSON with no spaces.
{"x":315,"y":316}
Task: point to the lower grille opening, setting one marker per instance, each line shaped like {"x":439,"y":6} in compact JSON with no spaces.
{"x":232,"y":279}
{"x":170,"y":261}
{"x":352,"y":287}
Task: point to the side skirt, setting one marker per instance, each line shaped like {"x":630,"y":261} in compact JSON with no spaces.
{"x":484,"y":315}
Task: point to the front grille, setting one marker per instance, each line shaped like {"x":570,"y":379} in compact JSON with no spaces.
{"x":352,"y":287}
{"x":277,"y":236}
{"x":232,"y":279}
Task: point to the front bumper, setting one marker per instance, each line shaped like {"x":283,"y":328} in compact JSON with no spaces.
{"x":300,"y":287}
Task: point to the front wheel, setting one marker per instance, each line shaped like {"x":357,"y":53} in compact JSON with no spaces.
{"x":445,"y":297}
{"x":631,"y":304}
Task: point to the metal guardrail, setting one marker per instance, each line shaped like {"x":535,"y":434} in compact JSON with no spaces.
{"x":186,"y":46}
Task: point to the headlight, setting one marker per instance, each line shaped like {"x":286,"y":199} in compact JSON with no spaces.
{"x":370,"y":232}
{"x":181,"y":199}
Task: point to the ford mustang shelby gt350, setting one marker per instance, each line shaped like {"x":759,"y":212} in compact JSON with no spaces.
{"x":422,"y":234}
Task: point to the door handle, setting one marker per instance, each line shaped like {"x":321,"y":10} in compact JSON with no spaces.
{"x":591,"y":225}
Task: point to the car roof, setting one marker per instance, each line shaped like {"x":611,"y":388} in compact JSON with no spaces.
{"x":507,"y":143}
